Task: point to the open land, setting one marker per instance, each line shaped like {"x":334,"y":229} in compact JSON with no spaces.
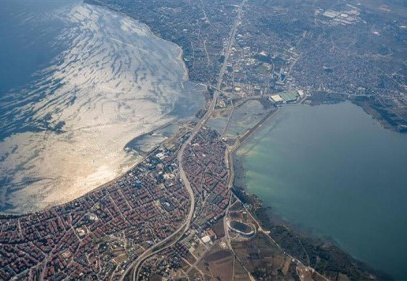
{"x":170,"y":216}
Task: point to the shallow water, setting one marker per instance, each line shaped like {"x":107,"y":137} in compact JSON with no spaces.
{"x":334,"y":171}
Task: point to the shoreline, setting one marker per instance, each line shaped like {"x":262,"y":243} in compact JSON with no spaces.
{"x":285,"y":229}
{"x":241,"y":183}
{"x":9,"y":207}
{"x":104,"y":185}
{"x":379,"y":115}
{"x":239,"y":171}
{"x":297,"y":240}
{"x":180,"y":54}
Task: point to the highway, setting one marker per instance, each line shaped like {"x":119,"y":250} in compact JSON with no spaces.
{"x":230,"y":43}
{"x":173,"y":238}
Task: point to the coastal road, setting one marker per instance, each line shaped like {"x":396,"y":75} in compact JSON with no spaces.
{"x":267,"y":234}
{"x":185,"y":226}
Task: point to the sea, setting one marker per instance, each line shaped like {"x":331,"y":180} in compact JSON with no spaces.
{"x":334,"y":172}
{"x":77,"y":83}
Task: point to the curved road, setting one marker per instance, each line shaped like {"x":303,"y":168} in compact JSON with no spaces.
{"x":185,"y":226}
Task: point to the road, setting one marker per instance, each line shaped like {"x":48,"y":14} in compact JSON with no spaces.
{"x":267,"y":234}
{"x":230,"y":43}
{"x":185,"y":226}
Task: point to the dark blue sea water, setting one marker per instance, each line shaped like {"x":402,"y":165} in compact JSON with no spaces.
{"x":28,"y":32}
{"x":77,"y":83}
{"x":23,"y":50}
{"x":28,"y":44}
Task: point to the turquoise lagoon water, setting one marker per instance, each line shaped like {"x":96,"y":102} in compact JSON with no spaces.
{"x":334,"y":171}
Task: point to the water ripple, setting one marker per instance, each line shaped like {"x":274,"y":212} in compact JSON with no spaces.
{"x":67,"y":130}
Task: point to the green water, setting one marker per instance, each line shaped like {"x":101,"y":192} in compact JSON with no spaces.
{"x":333,"y":170}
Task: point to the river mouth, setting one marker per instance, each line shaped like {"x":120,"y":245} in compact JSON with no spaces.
{"x":332,"y":171}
